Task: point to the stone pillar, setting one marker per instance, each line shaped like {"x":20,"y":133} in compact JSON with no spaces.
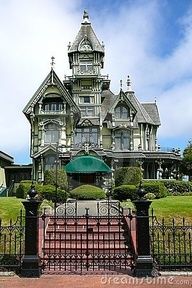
{"x":31,"y":262}
{"x":144,"y":261}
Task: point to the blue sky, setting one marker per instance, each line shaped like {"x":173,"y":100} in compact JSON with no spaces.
{"x":150,"y":40}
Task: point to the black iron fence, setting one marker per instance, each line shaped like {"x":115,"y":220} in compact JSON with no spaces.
{"x":171,"y":244}
{"x":76,"y":240}
{"x":72,"y":239}
{"x":12,"y":244}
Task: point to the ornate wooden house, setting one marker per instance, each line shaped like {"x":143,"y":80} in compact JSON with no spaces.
{"x":81,"y":116}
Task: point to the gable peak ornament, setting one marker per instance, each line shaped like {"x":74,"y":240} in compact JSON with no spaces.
{"x":85,"y":18}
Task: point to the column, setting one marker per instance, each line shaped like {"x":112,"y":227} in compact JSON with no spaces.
{"x":31,"y":262}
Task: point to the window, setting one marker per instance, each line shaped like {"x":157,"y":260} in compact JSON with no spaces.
{"x":87,"y":111}
{"x":86,"y":67}
{"x":86,"y":99}
{"x":50,"y":162}
{"x":51,"y":133}
{"x":86,"y":134}
{"x":53,"y":107}
{"x":121,"y":112}
{"x":122,"y":139}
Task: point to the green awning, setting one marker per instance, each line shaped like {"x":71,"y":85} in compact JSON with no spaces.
{"x":87,"y":164}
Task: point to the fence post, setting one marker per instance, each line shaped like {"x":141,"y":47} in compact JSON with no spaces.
{"x":144,"y":260}
{"x":30,"y":266}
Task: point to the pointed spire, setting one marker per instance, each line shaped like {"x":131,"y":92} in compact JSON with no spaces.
{"x":52,"y":66}
{"x":129,"y":84}
{"x":121,"y":84}
{"x":85,"y":18}
{"x":52,"y":62}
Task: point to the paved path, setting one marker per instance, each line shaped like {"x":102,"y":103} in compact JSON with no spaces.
{"x":96,"y":281}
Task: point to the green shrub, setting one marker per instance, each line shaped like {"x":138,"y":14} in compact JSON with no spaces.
{"x":125,"y":192}
{"x":155,"y":187}
{"x":23,"y":189}
{"x":50,"y":178}
{"x":177,"y":186}
{"x":87,"y":192}
{"x":48,"y":192}
{"x":128,"y":176}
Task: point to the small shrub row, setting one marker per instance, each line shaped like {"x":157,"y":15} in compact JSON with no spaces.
{"x":153,"y":189}
{"x":177,"y":186}
{"x":44,"y":191}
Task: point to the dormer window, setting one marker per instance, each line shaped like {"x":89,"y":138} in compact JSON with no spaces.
{"x":122,"y":112}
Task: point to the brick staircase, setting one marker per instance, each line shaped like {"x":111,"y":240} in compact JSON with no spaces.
{"x":79,"y":244}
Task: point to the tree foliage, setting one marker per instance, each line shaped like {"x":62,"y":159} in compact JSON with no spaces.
{"x":60,"y":176}
{"x":186,"y":165}
{"x":128,"y":176}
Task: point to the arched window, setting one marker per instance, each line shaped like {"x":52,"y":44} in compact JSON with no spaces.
{"x":51,"y":133}
{"x":122,"y":112}
{"x":122,"y":139}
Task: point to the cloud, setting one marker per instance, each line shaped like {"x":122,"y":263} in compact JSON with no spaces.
{"x":33,"y":31}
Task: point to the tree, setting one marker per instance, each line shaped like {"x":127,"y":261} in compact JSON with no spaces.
{"x":186,"y":164}
{"x":51,"y":175}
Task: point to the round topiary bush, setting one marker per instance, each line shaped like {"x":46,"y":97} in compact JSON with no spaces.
{"x":125,"y":192}
{"x":87,"y":192}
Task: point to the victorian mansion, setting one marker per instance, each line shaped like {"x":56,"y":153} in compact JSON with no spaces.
{"x":80,"y":125}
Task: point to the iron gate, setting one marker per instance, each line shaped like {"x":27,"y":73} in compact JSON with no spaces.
{"x":100,"y":239}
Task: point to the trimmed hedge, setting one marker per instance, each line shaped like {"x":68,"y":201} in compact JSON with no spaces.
{"x":125,"y":192}
{"x":49,"y":192}
{"x":44,"y":191}
{"x":87,"y":192}
{"x":155,"y":187}
{"x":128,"y":176}
{"x":177,"y":187}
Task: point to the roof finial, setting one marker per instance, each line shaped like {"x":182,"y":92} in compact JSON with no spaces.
{"x":121,"y":84}
{"x":85,"y":18}
{"x":52,"y":62}
{"x":128,"y":83}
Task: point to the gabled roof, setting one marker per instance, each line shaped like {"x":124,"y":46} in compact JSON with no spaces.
{"x":44,"y":150}
{"x":142,"y":115}
{"x":145,"y":112}
{"x":86,"y":32}
{"x":152,"y":110}
{"x":122,"y":97}
{"x":51,"y":80}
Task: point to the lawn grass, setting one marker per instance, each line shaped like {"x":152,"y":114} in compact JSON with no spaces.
{"x":177,"y":207}
{"x":10,"y":208}
{"x":170,"y":207}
